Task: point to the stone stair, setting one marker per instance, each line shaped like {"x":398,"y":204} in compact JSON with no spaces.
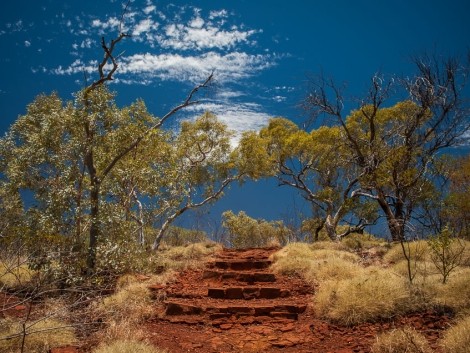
{"x":236,"y":287}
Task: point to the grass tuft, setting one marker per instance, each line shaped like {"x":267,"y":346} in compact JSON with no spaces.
{"x":370,"y":296}
{"x":457,"y":338}
{"x":403,"y":340}
{"x":41,"y":335}
{"x":456,"y":292}
{"x":128,"y":346}
{"x":418,"y":251}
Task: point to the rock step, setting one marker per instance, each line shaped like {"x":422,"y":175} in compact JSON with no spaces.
{"x":247,"y":277}
{"x":240,"y":265}
{"x":247,"y":293}
{"x":218,"y":311}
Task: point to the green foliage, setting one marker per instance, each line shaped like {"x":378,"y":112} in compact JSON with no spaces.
{"x":96,"y":177}
{"x":446,"y":252}
{"x":245,"y":232}
{"x":177,"y":236}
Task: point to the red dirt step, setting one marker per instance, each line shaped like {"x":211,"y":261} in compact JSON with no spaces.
{"x":233,"y":308}
{"x":247,"y":293}
{"x":240,"y":265}
{"x":248,"y":277}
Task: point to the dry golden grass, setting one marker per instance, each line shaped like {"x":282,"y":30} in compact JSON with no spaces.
{"x":328,"y":245}
{"x":418,"y":250}
{"x":404,"y":340}
{"x":370,"y":296}
{"x":333,"y":268}
{"x":419,"y":269}
{"x":363,"y":241}
{"x":457,"y":338}
{"x":316,"y":264}
{"x":128,"y":346}
{"x":131,"y":303}
{"x":178,"y":258}
{"x":456,"y":292}
{"x":14,"y":275}
{"x":41,"y":335}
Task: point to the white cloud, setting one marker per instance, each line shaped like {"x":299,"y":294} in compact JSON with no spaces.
{"x":218,"y":14}
{"x":279,"y":99}
{"x":228,"y":68}
{"x":149,"y":9}
{"x":239,"y":117}
{"x":87,"y":43}
{"x":144,"y":26}
{"x":196,"y":37}
{"x":112,"y":23}
{"x":27,"y":43}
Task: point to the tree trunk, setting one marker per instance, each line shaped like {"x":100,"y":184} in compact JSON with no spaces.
{"x":94,"y":229}
{"x":395,"y":220}
{"x":330,"y":227}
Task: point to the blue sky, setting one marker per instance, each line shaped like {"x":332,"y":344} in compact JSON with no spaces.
{"x":261,"y":51}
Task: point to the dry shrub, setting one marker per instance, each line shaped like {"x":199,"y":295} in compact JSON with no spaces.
{"x":128,"y":346}
{"x":370,"y":296}
{"x":418,"y":251}
{"x":404,"y":340}
{"x":457,"y":338}
{"x":13,"y":275}
{"x":41,"y":335}
{"x":456,"y":292}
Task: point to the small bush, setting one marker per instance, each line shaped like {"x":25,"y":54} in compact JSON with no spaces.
{"x":128,"y":346}
{"x":300,"y":250}
{"x":41,"y":335}
{"x":404,"y":340}
{"x":368,"y":297}
{"x":456,"y":292}
{"x":457,"y":338}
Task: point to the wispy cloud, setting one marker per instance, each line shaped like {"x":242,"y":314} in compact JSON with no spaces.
{"x":182,"y":44}
{"x":239,"y":117}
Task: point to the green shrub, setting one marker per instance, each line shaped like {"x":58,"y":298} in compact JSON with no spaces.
{"x":456,"y":292}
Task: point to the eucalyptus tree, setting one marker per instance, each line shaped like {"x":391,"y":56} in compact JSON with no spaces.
{"x":395,"y":146}
{"x":317,"y":164}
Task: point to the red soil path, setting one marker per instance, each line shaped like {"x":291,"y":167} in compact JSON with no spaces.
{"x":237,"y":304}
